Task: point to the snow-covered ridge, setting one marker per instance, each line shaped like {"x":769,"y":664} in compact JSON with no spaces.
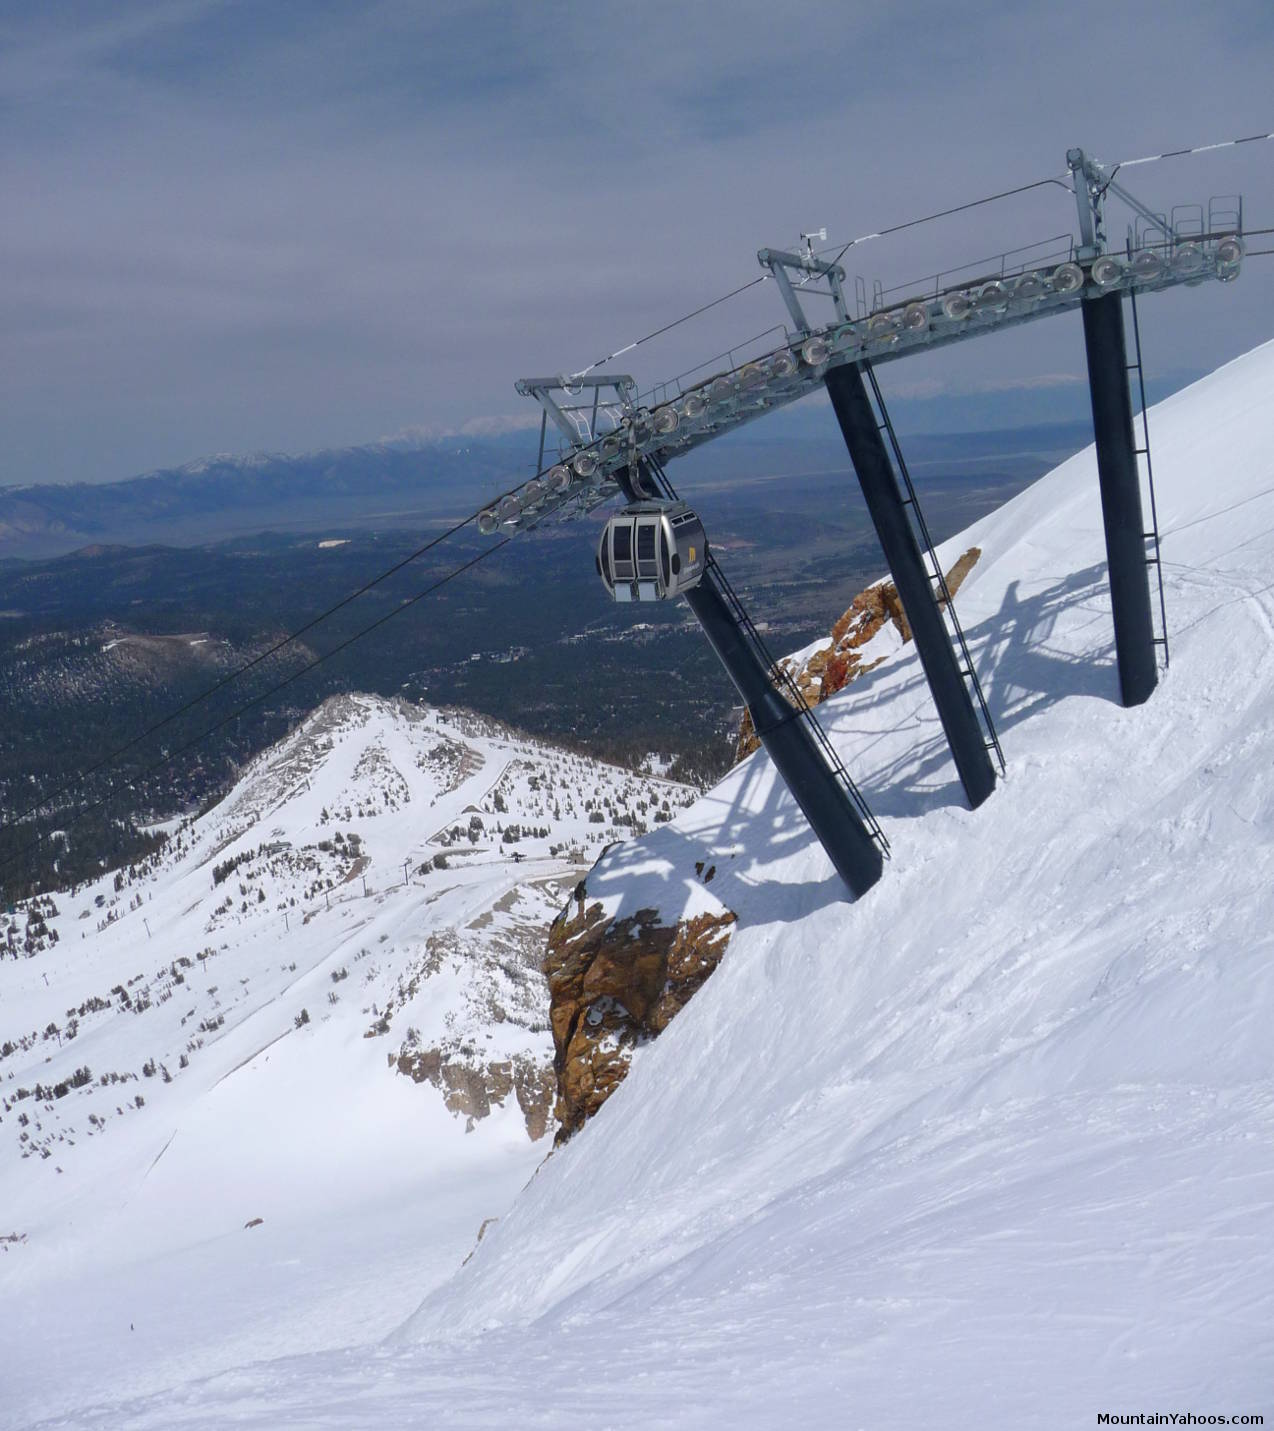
{"x":457,"y":824}
{"x":301,"y":1004}
{"x":989,"y":1148}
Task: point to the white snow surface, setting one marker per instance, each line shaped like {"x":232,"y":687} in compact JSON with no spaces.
{"x":991,"y":1147}
{"x":126,"y":1260}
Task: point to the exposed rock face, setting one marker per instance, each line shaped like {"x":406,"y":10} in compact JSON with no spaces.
{"x":496,"y":960}
{"x":471,"y":1089}
{"x":834,"y":666}
{"x":612,"y":986}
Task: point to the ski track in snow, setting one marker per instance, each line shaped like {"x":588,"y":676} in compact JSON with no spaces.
{"x":989,"y":1148}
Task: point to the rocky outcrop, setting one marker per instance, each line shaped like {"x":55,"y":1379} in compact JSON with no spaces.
{"x":613,"y":984}
{"x":472,"y":1089}
{"x":493,"y":1043}
{"x":834,"y":666}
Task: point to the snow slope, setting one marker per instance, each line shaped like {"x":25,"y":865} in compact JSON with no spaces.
{"x":993,"y":1147}
{"x":239,"y":1006}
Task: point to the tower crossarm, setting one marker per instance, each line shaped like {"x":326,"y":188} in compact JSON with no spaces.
{"x":604,"y":441}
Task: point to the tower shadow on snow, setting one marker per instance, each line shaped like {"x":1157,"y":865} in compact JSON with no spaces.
{"x":1022,"y":674}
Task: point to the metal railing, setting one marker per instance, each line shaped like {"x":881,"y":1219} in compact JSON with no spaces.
{"x":1045,"y":253}
{"x":759,"y":345}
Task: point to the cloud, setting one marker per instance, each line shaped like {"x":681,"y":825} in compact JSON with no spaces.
{"x":274,"y":226}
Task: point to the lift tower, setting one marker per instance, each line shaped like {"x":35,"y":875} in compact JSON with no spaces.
{"x":654,"y":549}
{"x":608,"y":429}
{"x":1117,"y":474}
{"x":864,"y":437}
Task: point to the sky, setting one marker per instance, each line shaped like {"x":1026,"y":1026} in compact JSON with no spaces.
{"x":235,"y":227}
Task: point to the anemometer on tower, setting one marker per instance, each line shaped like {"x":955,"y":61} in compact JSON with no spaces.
{"x":615,"y":441}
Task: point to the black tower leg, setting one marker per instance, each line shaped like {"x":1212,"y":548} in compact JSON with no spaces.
{"x":875,"y":472}
{"x":797,"y":758}
{"x":1120,"y":496}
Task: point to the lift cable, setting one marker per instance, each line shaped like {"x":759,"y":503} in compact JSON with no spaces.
{"x":667,"y":327}
{"x":946,"y":213}
{"x":111,"y":756}
{"x":1198,"y":149}
{"x":862,"y":238}
{"x":266,"y":694}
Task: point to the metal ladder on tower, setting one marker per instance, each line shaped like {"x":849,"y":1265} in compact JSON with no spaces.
{"x":946,"y":603}
{"x":783,"y":681}
{"x":1152,"y":536}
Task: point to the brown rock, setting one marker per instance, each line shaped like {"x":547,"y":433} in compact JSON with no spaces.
{"x":893,"y":606}
{"x":696,"y":951}
{"x":472,"y":1089}
{"x":613,"y":985}
{"x":630,"y":971}
{"x":535,"y":1086}
{"x":422,"y":1067}
{"x":963,"y":566}
{"x":831,"y":668}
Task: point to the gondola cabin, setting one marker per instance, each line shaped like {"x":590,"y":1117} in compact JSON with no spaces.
{"x":651,"y":551}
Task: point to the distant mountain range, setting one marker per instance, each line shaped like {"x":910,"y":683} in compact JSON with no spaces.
{"x":420,"y":476}
{"x":387,"y":485}
{"x":382,"y":484}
